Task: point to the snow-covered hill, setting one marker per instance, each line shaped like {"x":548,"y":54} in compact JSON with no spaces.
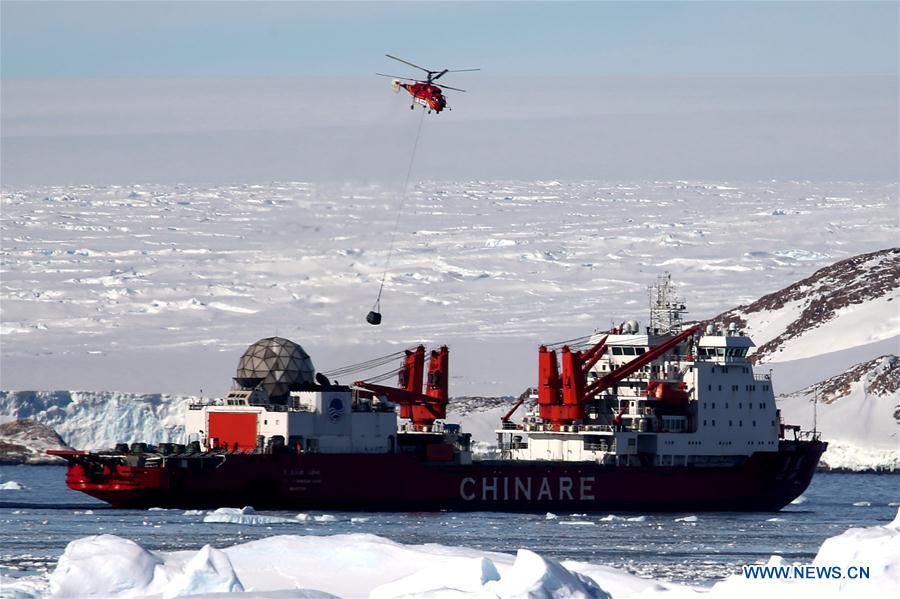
{"x":850,"y":303}
{"x":858,"y":413}
{"x":26,"y":442}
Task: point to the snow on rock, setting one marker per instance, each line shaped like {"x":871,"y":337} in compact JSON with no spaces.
{"x":847,"y":304}
{"x":245,"y":515}
{"x":26,"y":441}
{"x":858,"y":413}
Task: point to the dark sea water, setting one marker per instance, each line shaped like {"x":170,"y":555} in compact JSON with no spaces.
{"x":37,"y":522}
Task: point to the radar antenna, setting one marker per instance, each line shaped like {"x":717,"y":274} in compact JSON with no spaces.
{"x":667,"y":310}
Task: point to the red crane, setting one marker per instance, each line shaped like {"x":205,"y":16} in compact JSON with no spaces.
{"x":422,"y":408}
{"x":561,"y":399}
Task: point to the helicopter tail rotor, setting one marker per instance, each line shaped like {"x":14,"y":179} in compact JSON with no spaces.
{"x":395,"y":85}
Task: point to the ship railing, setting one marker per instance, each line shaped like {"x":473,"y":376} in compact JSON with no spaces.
{"x":508,"y":425}
{"x":598,"y":446}
{"x":762,"y":377}
{"x":437,"y":427}
{"x":807,"y":435}
{"x":513,"y":445}
{"x":597,"y":427}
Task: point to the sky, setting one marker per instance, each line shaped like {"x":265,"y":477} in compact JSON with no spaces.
{"x":221,"y":92}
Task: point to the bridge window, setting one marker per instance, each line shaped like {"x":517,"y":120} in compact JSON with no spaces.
{"x":617,"y":351}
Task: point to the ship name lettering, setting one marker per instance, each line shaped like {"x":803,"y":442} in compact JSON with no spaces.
{"x":489,"y":488}
{"x":462,"y":489}
{"x":517,"y":488}
{"x":525,"y":488}
{"x":586,"y":490}
{"x":565,"y":488}
{"x":545,"y":489}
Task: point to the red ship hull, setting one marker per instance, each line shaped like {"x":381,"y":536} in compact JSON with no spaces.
{"x":765,"y":481}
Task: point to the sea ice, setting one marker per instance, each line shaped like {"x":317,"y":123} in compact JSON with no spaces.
{"x":361,"y":565}
{"x":535,"y":576}
{"x":687,"y":519}
{"x":245,"y":515}
{"x":11,"y":485}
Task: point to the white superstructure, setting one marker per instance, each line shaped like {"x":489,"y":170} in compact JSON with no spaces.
{"x":698,"y":402}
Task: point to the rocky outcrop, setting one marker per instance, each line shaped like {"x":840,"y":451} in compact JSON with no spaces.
{"x":26,"y":442}
{"x":817,"y":299}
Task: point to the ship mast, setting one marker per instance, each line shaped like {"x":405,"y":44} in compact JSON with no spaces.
{"x":667,"y":310}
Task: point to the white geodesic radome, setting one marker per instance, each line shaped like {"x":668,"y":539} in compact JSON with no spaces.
{"x":275,"y":364}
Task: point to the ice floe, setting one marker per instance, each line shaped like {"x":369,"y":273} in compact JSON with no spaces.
{"x":363,"y":565}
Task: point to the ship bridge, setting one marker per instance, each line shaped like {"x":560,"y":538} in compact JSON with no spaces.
{"x":729,"y":346}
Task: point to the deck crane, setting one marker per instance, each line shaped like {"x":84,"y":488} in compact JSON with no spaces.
{"x":562,"y":396}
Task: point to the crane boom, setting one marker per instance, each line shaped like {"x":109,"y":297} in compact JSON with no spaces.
{"x":629,"y":368}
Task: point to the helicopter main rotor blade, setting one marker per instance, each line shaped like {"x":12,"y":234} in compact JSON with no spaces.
{"x":441,"y":74}
{"x":459,"y":70}
{"x":410,"y":64}
{"x":399,"y":77}
{"x":456,"y":89}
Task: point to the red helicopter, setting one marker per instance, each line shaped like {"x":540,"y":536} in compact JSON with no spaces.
{"x":424,"y":92}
